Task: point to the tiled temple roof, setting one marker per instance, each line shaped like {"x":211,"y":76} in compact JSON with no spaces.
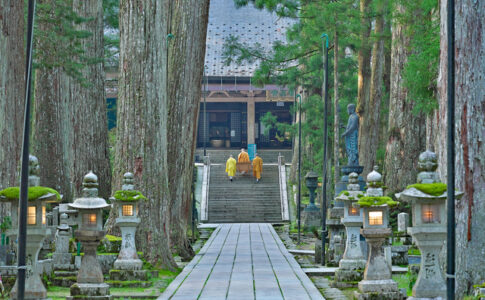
{"x":249,"y":24}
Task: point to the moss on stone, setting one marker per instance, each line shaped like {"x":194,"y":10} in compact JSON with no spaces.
{"x":113,"y":238}
{"x":346,"y":193}
{"x":367,"y":201}
{"x":434,"y":189}
{"x":132,"y":195}
{"x":35,"y":192}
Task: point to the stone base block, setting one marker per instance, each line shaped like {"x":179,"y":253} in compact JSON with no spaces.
{"x":129,"y":284}
{"x":349,"y":276}
{"x":378,"y":286}
{"x":128,"y":275}
{"x":352,"y":264}
{"x":108,"y":297}
{"x":61,"y":259}
{"x":128,"y":264}
{"x":311,"y":218}
{"x":379,"y":296}
{"x":344,"y":284}
{"x":65,"y":267}
{"x":90,"y":291}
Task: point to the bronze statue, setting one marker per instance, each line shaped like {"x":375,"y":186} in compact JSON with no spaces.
{"x":351,"y":136}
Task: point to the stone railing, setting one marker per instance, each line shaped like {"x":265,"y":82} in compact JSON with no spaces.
{"x":204,"y":207}
{"x":285,"y":213}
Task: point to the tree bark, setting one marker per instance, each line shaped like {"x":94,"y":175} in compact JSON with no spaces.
{"x":406,"y":129}
{"x":141,"y":141}
{"x":370,"y":119}
{"x":469,"y":136}
{"x":12,"y":90}
{"x":336,"y":111}
{"x":71,"y":127}
{"x":364,"y":76}
{"x":185,"y":69}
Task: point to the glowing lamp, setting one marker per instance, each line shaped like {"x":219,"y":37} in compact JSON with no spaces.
{"x":353,"y":211}
{"x":127,"y":210}
{"x":31,"y":215}
{"x":375,"y":217}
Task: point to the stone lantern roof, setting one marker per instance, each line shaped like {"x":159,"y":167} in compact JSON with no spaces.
{"x":428,"y":187}
{"x":90,"y":199}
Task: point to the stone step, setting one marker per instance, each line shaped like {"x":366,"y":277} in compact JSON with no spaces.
{"x":60,"y":273}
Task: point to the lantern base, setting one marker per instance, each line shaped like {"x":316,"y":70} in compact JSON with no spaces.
{"x":90,"y":291}
{"x":128,"y":264}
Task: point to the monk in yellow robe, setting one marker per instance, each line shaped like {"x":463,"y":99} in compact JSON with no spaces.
{"x":243,"y":158}
{"x":257,"y":167}
{"x":231,"y":167}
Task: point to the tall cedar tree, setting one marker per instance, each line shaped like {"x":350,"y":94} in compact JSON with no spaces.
{"x":185,"y":71}
{"x":469,"y":136}
{"x":12,"y":90}
{"x":70,"y":121}
{"x":159,"y":86}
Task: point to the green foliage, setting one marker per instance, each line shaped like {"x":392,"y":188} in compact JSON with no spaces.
{"x":59,"y":39}
{"x":368,"y":201}
{"x":421,"y":70}
{"x":34,"y":192}
{"x":6,"y":224}
{"x":133,"y":195}
{"x":434,"y":189}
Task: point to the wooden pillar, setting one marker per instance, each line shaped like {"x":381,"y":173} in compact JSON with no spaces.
{"x":251,"y":120}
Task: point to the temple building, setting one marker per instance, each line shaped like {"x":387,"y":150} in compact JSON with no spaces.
{"x":233,"y":106}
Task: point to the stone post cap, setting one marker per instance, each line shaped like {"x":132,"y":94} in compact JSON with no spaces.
{"x":34,"y":169}
{"x":90,"y":185}
{"x":374,"y":176}
{"x":374,"y":184}
{"x":353,"y":182}
{"x":427,"y":165}
{"x":63,"y":225}
{"x":128,"y":181}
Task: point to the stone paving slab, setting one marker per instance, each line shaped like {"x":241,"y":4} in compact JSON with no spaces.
{"x":243,"y":261}
{"x":330,"y":271}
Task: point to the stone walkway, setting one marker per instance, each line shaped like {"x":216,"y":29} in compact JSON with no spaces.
{"x":242,"y":261}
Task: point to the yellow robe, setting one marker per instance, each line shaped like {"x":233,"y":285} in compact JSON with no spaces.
{"x":257,"y":167}
{"x":243,"y":157}
{"x":231,"y":167}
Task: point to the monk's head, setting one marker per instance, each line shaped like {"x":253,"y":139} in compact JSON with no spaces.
{"x":242,"y":149}
{"x":256,"y":154}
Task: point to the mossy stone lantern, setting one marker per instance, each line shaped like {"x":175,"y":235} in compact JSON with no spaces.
{"x":127,"y":201}
{"x":377,"y":273}
{"x":311,"y":181}
{"x":428,"y":202}
{"x":37,"y":231}
{"x":353,"y":261}
{"x":90,"y":232}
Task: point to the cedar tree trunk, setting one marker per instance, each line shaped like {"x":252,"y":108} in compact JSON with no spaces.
{"x":407,"y":130}
{"x":141,"y":141}
{"x":469,"y":137}
{"x":185,"y":69}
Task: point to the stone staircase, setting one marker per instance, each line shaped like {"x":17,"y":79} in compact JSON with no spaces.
{"x":243,"y":200}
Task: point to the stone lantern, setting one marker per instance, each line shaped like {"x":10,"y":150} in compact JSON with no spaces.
{"x":377,"y":273}
{"x":311,"y":181}
{"x":37,"y":229}
{"x":90,"y":232}
{"x":428,"y":201}
{"x":353,"y":261}
{"x":127,"y":202}
{"x":311,"y":213}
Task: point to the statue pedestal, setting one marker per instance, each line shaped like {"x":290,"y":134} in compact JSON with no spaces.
{"x":311,"y":218}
